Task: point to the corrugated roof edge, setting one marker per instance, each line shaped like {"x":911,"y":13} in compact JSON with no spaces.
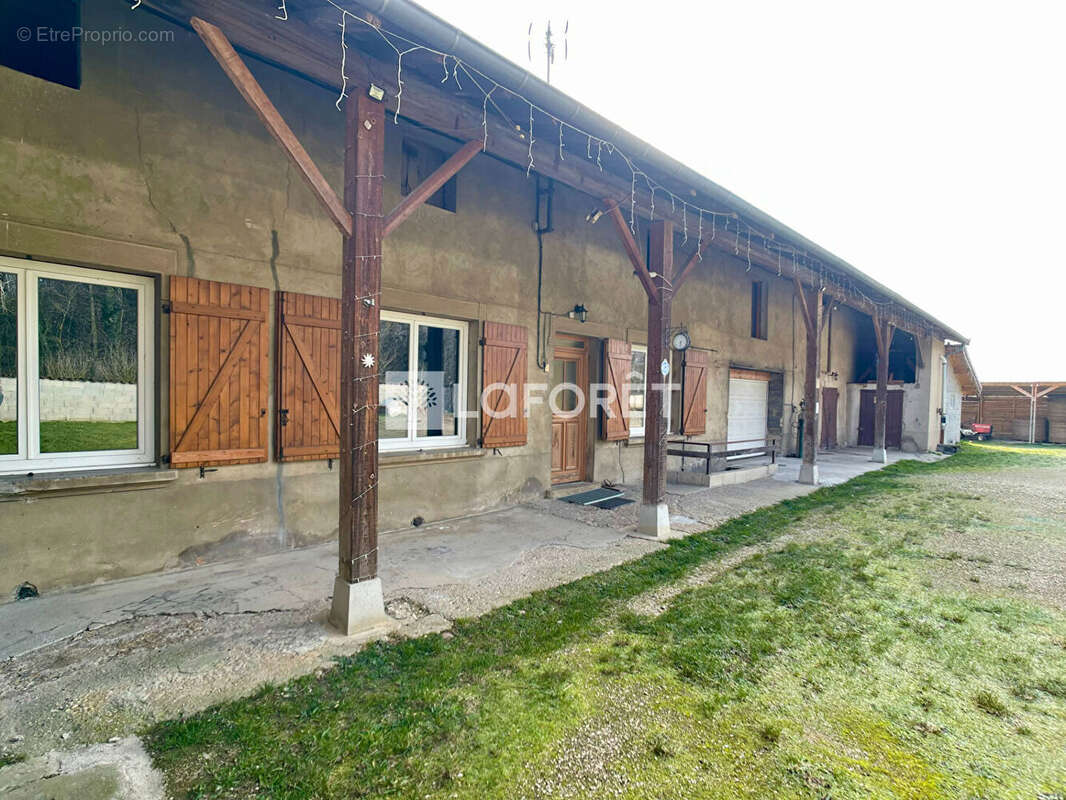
{"x":434,"y":31}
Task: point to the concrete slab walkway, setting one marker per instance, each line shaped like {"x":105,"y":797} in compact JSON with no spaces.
{"x":445,"y":554}
{"x":85,"y":665}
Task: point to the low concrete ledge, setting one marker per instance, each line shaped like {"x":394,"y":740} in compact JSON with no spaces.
{"x":724,"y":478}
{"x":406,"y":458}
{"x":55,"y":484}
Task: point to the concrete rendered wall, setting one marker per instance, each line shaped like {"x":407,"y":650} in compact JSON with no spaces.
{"x":157,"y":166}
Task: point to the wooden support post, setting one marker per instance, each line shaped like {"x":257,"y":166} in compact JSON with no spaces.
{"x":811,"y":309}
{"x":1032,"y":416}
{"x":883,"y":329}
{"x":654,"y":515}
{"x":357,"y":596}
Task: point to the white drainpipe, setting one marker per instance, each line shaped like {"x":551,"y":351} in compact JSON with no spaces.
{"x":943,"y":398}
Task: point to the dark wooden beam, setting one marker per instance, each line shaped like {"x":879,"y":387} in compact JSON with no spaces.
{"x":364,"y":156}
{"x":805,"y":310}
{"x":633,"y":249}
{"x":427,"y":188}
{"x":883,"y":330}
{"x":811,"y":307}
{"x":661,"y":262}
{"x":690,"y":265}
{"x":254,"y":95}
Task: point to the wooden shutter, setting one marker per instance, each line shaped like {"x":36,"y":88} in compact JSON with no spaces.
{"x":308,"y":376}
{"x":694,"y":393}
{"x":503,"y":362}
{"x":617,"y":364}
{"x":219,"y":362}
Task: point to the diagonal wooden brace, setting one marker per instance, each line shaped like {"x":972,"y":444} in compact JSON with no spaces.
{"x":690,"y":265}
{"x":427,"y":188}
{"x":632,"y":250}
{"x":253,"y":93}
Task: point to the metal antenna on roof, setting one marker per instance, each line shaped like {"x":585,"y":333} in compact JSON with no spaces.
{"x":549,"y":47}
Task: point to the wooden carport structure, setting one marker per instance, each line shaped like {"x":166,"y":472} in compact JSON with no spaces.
{"x":1021,"y":409}
{"x":302,"y":36}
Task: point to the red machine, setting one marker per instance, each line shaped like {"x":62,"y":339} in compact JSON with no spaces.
{"x":978,"y":430}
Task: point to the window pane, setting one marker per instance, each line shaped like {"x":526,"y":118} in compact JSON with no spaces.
{"x":438,"y":381}
{"x":8,"y":363}
{"x":564,"y":373}
{"x":88,"y":366}
{"x":637,"y":373}
{"x":394,"y":390}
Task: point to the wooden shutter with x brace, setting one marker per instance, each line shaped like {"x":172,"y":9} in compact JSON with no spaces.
{"x":307,"y":377}
{"x":694,"y":393}
{"x":503,"y":374}
{"x":219,"y":381}
{"x":617,"y":364}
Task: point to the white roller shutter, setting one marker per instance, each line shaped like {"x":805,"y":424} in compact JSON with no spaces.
{"x":747,"y":413}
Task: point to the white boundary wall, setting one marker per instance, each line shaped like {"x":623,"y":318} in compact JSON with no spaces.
{"x":84,"y":401}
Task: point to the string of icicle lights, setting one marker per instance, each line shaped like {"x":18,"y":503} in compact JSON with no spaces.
{"x":707,"y":222}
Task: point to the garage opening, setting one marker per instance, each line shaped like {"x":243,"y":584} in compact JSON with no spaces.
{"x":749,"y":396}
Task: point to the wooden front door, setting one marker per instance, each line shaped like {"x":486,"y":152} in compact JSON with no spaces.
{"x":830,"y":398}
{"x":569,"y":414}
{"x":893,"y":418}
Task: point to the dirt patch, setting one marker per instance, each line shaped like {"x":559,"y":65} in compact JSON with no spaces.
{"x":586,"y":763}
{"x":1016,"y":545}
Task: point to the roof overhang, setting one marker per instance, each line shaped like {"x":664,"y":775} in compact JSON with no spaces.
{"x":308,"y":43}
{"x":959,"y":359}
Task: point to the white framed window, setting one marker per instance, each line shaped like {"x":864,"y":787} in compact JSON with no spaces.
{"x":638,"y":391}
{"x":423,"y":385}
{"x":76,"y":368}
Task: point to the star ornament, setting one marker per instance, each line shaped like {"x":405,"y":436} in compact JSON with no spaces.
{"x":368,"y":360}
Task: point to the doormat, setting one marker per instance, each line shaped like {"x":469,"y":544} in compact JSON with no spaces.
{"x":593,"y":497}
{"x":614,"y":502}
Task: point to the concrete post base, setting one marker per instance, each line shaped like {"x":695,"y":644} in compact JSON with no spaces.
{"x":808,"y":474}
{"x":880,"y":455}
{"x":357,"y":607}
{"x":655,"y":521}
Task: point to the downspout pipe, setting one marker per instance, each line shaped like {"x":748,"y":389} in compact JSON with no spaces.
{"x":943,"y":399}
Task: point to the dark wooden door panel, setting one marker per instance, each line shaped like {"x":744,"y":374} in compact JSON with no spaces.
{"x":830,"y":399}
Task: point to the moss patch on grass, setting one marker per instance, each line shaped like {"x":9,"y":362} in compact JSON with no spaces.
{"x":833,"y":667}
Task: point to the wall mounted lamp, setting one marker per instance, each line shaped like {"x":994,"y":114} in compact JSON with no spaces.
{"x":579,"y":312}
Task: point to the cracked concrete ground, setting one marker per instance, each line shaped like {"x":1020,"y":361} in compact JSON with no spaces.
{"x":100,"y":662}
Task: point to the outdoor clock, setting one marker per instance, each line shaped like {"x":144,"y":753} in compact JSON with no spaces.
{"x":680,"y":341}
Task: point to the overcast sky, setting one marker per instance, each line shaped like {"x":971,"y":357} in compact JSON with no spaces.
{"x":923,"y":142}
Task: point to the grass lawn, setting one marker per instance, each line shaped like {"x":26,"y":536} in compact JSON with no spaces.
{"x":69,"y":437}
{"x":846,"y":663}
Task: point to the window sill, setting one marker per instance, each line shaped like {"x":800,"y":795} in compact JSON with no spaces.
{"x":404,"y":458}
{"x":56,"y":484}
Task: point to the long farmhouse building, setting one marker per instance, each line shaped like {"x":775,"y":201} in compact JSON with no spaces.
{"x":229,"y":262}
